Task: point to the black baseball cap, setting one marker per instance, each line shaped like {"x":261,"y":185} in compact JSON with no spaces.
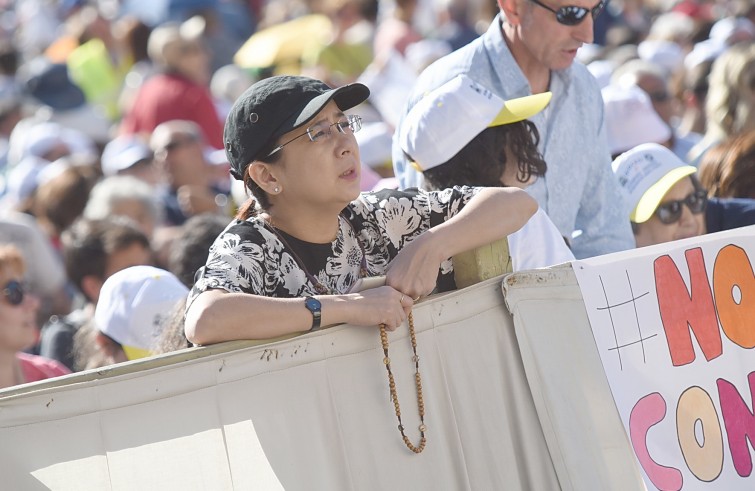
{"x":274,"y":106}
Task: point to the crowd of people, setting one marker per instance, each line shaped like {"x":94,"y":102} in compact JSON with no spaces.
{"x":170,"y":176}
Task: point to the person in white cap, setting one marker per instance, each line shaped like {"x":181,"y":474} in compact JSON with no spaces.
{"x":631,"y":119}
{"x":654,"y":80}
{"x":530,"y":48}
{"x":493,"y":145}
{"x":133,"y":305}
{"x":129,"y":155}
{"x":667,"y":201}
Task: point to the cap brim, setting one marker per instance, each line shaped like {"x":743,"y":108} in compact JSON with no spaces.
{"x":345,"y":98}
{"x":515,"y":110}
{"x":653,"y":196}
{"x":133,"y":353}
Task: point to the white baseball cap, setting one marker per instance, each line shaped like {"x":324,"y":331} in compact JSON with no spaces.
{"x":666,"y":54}
{"x":133,"y":304}
{"x":123,"y":152}
{"x":631,"y":119}
{"x":449,"y":117}
{"x":646,"y":173}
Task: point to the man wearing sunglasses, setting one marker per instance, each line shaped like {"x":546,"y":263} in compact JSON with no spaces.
{"x":668,"y":202}
{"x":529,"y":49}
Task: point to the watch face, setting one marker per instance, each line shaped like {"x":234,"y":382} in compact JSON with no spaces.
{"x":313,"y":304}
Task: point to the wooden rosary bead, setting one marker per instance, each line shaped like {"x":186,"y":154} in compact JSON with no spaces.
{"x":417,"y":381}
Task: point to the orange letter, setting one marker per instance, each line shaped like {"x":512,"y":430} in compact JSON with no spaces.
{"x":736,"y":308}
{"x":706,"y":459}
{"x":682,"y":311}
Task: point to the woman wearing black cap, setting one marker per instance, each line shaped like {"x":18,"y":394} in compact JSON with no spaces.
{"x":288,"y":262}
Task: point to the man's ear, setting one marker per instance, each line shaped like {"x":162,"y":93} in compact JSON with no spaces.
{"x":262,"y":174}
{"x":511,"y":11}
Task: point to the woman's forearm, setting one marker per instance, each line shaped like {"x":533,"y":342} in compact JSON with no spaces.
{"x":217,"y":316}
{"x":491,"y":214}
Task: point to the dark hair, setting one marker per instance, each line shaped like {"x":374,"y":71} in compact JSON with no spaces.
{"x":172,"y":337}
{"x":136,"y":36}
{"x":63,"y":199}
{"x":483,"y":160}
{"x":728,"y":169}
{"x":190,"y":249}
{"x":88,"y":244}
{"x":248,"y":208}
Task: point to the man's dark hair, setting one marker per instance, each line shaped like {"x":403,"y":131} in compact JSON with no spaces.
{"x":88,"y":244}
{"x":482,"y":161}
{"x":189,"y":251}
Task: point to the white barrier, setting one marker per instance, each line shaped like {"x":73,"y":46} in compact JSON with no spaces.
{"x":312,"y":412}
{"x":509,"y":405}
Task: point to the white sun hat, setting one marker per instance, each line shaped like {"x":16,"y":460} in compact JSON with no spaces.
{"x":449,"y":117}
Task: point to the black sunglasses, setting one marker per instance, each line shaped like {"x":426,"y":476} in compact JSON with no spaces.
{"x":671,"y":211}
{"x":14,"y":292}
{"x":571,"y":15}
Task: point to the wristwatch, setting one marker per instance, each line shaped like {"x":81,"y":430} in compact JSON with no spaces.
{"x":314,"y":306}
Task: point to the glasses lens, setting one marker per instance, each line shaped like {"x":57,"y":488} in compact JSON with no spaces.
{"x":669,"y":212}
{"x":14,"y":292}
{"x":352,"y":124}
{"x":596,"y":10}
{"x":571,"y":15}
{"x":356,"y":123}
{"x":318,"y":131}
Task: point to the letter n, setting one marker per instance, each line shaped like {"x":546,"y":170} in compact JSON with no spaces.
{"x":682,"y":311}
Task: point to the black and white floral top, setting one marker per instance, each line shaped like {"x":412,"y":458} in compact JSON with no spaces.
{"x":250,"y":257}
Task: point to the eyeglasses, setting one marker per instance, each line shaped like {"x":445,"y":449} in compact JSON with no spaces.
{"x":180,"y":142}
{"x":347,"y":125}
{"x":660,"y":96}
{"x":571,"y":15}
{"x":14,"y":292}
{"x":671,"y":211}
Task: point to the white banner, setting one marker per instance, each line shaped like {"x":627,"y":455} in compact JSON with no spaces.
{"x":674,"y":326}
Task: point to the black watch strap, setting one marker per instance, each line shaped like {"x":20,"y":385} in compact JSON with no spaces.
{"x":314,"y":306}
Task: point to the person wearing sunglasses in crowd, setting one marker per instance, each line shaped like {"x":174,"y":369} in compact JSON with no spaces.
{"x":668,"y":203}
{"x":530,"y":49}
{"x":18,"y":326}
{"x":289,"y":261}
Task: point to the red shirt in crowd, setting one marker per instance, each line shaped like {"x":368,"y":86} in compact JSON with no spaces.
{"x":37,"y":368}
{"x":166,"y":97}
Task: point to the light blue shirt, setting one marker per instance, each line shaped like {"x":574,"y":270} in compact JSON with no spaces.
{"x":579,"y":191}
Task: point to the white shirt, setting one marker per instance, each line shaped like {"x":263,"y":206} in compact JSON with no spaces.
{"x":538,"y":244}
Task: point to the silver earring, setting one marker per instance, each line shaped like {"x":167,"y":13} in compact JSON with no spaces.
{"x":276,"y":190}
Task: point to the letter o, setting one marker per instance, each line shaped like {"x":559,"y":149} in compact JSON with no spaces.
{"x":704,"y":461}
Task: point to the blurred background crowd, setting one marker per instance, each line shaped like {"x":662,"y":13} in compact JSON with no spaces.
{"x":111,"y":122}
